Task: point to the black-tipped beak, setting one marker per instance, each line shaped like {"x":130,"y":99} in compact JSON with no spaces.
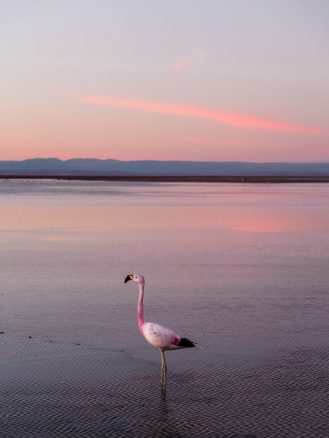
{"x":128,"y":278}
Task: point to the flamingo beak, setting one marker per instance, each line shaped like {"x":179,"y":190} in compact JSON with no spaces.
{"x":128,"y":278}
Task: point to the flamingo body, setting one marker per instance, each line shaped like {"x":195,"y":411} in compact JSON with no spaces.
{"x":160,"y":337}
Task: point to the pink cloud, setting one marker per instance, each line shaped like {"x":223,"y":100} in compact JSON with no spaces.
{"x":208,"y":141}
{"x":238,"y":120}
{"x":184,"y":62}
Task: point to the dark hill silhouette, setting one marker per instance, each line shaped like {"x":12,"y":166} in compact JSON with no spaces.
{"x":95,"y":167}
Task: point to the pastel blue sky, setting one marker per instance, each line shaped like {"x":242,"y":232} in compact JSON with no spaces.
{"x":263,"y":60}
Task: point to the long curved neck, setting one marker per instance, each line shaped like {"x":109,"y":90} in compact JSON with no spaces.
{"x":140,"y":308}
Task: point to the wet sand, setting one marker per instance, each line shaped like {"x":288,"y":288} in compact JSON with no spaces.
{"x":244,"y":272}
{"x":284,"y":396}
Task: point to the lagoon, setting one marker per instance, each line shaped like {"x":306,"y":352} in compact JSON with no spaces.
{"x":241,"y":269}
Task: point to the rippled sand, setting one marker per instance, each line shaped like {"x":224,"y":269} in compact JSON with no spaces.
{"x":243,"y":271}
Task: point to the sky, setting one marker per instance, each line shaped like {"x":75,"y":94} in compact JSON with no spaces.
{"x":200,"y":80}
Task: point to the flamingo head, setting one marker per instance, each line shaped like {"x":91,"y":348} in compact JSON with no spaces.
{"x":136,"y":278}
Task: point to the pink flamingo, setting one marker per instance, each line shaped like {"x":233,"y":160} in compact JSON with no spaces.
{"x":155,"y":334}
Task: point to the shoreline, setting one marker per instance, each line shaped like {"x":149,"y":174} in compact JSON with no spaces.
{"x":181,"y":178}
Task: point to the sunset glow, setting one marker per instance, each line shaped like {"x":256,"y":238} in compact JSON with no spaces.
{"x":227,"y":118}
{"x":202,"y":82}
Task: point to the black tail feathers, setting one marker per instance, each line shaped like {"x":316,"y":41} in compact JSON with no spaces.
{"x":185,"y":343}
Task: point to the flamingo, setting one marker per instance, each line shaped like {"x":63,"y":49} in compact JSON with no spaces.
{"x":155,"y":334}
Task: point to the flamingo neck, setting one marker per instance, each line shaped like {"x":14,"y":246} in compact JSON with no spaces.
{"x":140,"y":308}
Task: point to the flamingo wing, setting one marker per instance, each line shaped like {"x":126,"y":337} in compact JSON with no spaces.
{"x":160,"y":336}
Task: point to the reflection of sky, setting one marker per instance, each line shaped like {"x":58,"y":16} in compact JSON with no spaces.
{"x":167,"y":208}
{"x":246,"y":264}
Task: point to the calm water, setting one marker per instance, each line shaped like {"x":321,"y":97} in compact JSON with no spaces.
{"x":241,"y":269}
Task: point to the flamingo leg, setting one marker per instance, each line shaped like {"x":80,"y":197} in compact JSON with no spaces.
{"x":163,"y":382}
{"x":163,"y":373}
{"x":164,"y":364}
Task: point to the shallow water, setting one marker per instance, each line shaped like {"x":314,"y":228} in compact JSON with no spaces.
{"x":241,"y":269}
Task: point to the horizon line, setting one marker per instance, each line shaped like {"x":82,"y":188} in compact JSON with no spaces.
{"x":167,"y":160}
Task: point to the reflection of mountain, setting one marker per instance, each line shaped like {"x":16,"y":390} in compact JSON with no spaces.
{"x":90,"y":166}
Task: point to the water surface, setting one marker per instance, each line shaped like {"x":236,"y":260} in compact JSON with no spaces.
{"x":242,"y":269}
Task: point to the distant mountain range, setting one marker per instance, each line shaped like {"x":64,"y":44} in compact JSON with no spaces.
{"x":91,"y":166}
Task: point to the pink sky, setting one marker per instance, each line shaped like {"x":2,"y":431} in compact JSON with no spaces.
{"x":211,"y":83}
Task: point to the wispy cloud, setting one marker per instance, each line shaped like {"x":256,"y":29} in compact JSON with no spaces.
{"x":208,"y":141}
{"x":184,"y":62}
{"x":238,"y":120}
